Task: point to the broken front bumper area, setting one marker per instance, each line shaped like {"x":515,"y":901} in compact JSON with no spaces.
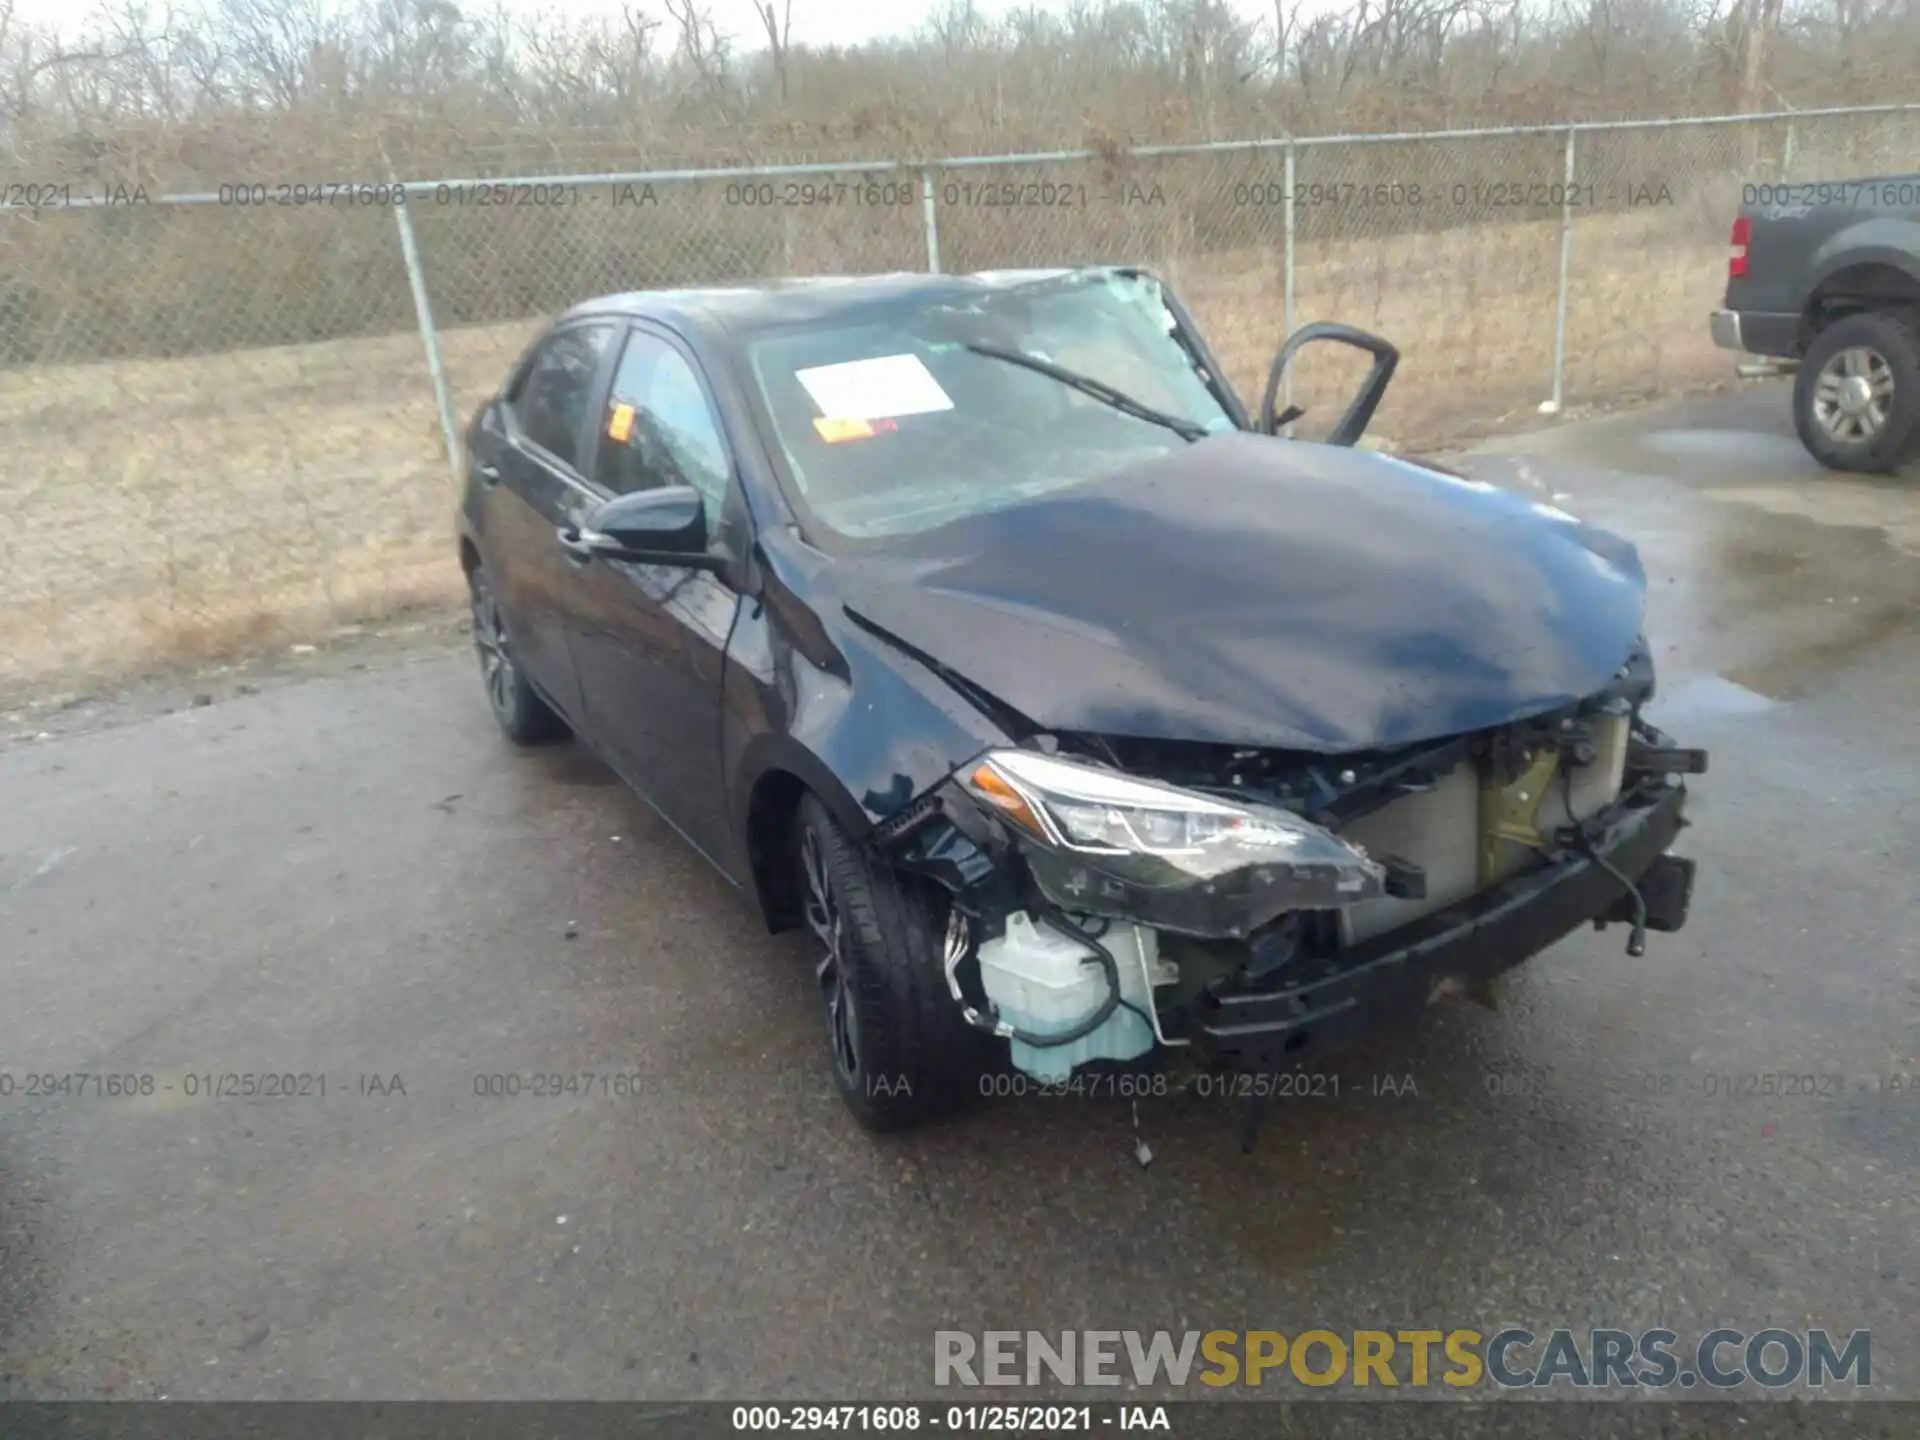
{"x":1394,"y":975}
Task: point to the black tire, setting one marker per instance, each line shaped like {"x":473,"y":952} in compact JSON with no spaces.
{"x":1871,"y":358}
{"x":901,"y":1051}
{"x":523,"y":717}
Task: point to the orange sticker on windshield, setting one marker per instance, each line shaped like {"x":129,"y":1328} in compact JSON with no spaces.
{"x":620,"y":423}
{"x":833,"y":431}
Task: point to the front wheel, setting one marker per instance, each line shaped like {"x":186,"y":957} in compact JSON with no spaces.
{"x":1856,"y":399}
{"x":901,"y":1051}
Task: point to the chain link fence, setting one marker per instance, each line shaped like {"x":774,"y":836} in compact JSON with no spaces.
{"x":231,"y":415}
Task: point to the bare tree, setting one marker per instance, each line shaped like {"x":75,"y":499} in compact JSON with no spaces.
{"x":1119,"y":69}
{"x":1761,"y":23}
{"x":957,"y":27}
{"x":779,"y":27}
{"x":702,"y":48}
{"x":26,"y":56}
{"x":417,"y":49}
{"x":274,"y":44}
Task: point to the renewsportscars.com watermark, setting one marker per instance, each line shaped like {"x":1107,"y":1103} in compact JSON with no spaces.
{"x":1509,"y":1359}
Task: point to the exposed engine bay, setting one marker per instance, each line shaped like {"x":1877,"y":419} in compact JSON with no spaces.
{"x":1112,"y":896}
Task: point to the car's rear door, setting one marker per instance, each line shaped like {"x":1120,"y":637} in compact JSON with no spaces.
{"x":649,"y":641}
{"x":531,"y":450}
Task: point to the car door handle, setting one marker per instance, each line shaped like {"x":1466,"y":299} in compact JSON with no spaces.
{"x":488,"y":472}
{"x":580,"y":548}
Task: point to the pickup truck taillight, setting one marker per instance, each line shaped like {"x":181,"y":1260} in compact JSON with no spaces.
{"x":1737,"y":247}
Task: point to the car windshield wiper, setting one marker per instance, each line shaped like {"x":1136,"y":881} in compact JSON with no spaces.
{"x":1186,"y":429}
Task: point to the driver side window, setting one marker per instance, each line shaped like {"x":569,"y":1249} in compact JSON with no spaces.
{"x":659,"y":428}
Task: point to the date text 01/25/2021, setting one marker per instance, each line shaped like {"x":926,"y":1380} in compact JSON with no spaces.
{"x":1461,"y":195}
{"x":1205,"y":1085}
{"x":446,"y":194}
{"x":35,"y":1085}
{"x":957,"y":1419}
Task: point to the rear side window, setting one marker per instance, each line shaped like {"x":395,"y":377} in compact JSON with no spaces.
{"x":552,"y":396}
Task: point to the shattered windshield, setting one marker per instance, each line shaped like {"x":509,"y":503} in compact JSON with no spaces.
{"x":898,"y":424}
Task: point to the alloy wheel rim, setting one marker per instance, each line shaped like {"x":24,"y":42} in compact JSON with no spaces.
{"x":822,"y":912}
{"x":1853,"y":395}
{"x":490,"y":641}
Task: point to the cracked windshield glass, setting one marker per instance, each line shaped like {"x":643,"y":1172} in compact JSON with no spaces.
{"x":893,"y":425}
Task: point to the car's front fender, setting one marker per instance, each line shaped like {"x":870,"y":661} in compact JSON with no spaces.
{"x":816,"y":701}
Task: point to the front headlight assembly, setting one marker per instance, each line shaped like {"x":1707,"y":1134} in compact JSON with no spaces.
{"x":1100,"y":842}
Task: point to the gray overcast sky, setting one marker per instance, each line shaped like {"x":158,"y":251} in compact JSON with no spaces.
{"x":818,"y":22}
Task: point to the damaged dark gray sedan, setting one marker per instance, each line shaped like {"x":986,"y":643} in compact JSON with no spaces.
{"x":972,"y":623}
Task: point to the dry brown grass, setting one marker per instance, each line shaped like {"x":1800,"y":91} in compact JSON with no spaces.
{"x":174,"y":510}
{"x":1473,"y":314}
{"x":167,"y":510}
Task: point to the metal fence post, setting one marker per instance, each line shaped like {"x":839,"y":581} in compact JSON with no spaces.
{"x":1560,"y":300}
{"x":1287,"y":323}
{"x":1786,"y":152}
{"x":929,"y":176}
{"x":430,"y":338}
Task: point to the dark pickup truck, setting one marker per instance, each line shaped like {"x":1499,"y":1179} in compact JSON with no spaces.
{"x":1823,"y":282}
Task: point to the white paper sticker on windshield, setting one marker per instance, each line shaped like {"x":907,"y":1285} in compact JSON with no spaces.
{"x":874,"y":389}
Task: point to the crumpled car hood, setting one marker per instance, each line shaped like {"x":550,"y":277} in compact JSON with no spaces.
{"x":1264,"y":592}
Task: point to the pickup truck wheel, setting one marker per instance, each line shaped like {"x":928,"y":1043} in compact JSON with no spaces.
{"x":901,"y":1051}
{"x":1856,"y":399}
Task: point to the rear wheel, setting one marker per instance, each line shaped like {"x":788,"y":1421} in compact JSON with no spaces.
{"x":1856,"y":399}
{"x":522,"y":715}
{"x":901,"y":1051}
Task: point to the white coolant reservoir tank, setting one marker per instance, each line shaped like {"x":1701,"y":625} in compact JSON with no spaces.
{"x":1045,"y":982}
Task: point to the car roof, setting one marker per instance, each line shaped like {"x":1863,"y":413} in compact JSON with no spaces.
{"x":770,"y":304}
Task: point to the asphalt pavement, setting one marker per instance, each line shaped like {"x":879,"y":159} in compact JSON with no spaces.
{"x":350,"y":879}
